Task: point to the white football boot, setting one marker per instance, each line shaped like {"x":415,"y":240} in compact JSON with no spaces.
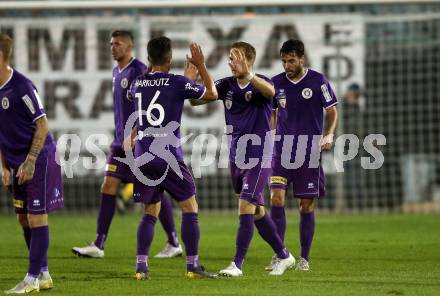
{"x":231,"y":271}
{"x":90,"y":251}
{"x":282,"y":265}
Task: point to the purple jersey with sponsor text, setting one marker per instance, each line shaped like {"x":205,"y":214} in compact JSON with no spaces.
{"x":20,"y":108}
{"x":301,"y":106}
{"x":123,"y":107}
{"x":160,"y":96}
{"x":248,"y":112}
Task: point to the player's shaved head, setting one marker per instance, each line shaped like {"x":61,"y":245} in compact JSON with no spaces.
{"x":5,"y":46}
{"x":123,"y":34}
{"x":249,"y":51}
{"x":293,"y":46}
{"x":159,"y":50}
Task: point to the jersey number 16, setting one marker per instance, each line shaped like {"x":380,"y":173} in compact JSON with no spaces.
{"x":152,"y":120}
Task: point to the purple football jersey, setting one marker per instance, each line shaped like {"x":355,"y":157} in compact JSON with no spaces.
{"x":301,"y":107}
{"x":248,"y":112}
{"x":123,"y":107}
{"x":20,"y":108}
{"x":159,"y":99}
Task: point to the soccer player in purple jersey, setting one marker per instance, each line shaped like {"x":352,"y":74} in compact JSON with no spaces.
{"x":126,"y":71}
{"x":29,"y":167}
{"x":302,"y":95}
{"x":247,"y":98}
{"x":160,"y":96}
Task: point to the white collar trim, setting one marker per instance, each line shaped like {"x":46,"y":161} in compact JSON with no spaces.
{"x":296,"y":82}
{"x":242,"y":87}
{"x":120,"y":70}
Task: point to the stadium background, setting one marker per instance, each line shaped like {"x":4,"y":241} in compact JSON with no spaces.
{"x":381,"y":57}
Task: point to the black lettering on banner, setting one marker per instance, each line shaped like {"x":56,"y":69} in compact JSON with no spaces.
{"x":71,"y":89}
{"x":99,"y":102}
{"x":338,"y":35}
{"x":56,"y":54}
{"x":331,"y":64}
{"x":223,"y":42}
{"x":274,"y":42}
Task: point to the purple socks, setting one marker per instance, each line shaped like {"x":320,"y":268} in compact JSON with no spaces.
{"x":278,"y":216}
{"x":145,"y":236}
{"x":267,"y":230}
{"x":167,"y":220}
{"x":190,"y":236}
{"x":38,"y":250}
{"x":306,"y":232}
{"x":105,"y":216}
{"x":244,"y":237}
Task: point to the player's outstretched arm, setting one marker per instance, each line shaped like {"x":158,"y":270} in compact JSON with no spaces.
{"x":27,"y":168}
{"x":238,"y":64}
{"x":332,"y":122}
{"x":198,"y":59}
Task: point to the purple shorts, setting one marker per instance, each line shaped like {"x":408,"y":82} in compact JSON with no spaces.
{"x":179,"y":188}
{"x":117,"y":169}
{"x":307,"y":182}
{"x":250,"y":183}
{"x":44,"y":192}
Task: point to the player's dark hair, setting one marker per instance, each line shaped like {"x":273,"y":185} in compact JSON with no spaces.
{"x":123,"y":33}
{"x":6,"y":46}
{"x":293,"y":46}
{"x":159,"y":49}
{"x":249,"y":51}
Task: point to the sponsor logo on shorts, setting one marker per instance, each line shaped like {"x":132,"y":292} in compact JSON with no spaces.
{"x":18,"y":203}
{"x":56,"y":192}
{"x":110,"y":168}
{"x":36,"y":203}
{"x":5,"y":103}
{"x":307,"y":93}
{"x":310,"y":185}
{"x":278,"y":180}
{"x":245,"y":186}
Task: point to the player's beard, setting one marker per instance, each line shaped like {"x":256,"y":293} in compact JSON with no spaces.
{"x":294,"y":73}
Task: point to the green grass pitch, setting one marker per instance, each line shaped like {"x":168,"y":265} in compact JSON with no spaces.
{"x":351,"y":255}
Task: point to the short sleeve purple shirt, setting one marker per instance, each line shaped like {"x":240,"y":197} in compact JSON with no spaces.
{"x":20,"y":107}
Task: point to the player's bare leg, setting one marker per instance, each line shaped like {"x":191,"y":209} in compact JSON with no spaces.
{"x":145,"y":236}
{"x":107,"y":208}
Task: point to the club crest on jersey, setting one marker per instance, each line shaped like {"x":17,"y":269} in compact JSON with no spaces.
{"x":307,"y":93}
{"x":282,"y":98}
{"x":124,"y":83}
{"x":5,"y":103}
{"x":228,"y":104}
{"x":248,"y":96}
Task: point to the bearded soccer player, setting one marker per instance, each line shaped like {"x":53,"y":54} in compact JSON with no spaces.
{"x":248,"y":99}
{"x":126,"y":71}
{"x":29,"y":167}
{"x":302,"y":96}
{"x":159,"y":97}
